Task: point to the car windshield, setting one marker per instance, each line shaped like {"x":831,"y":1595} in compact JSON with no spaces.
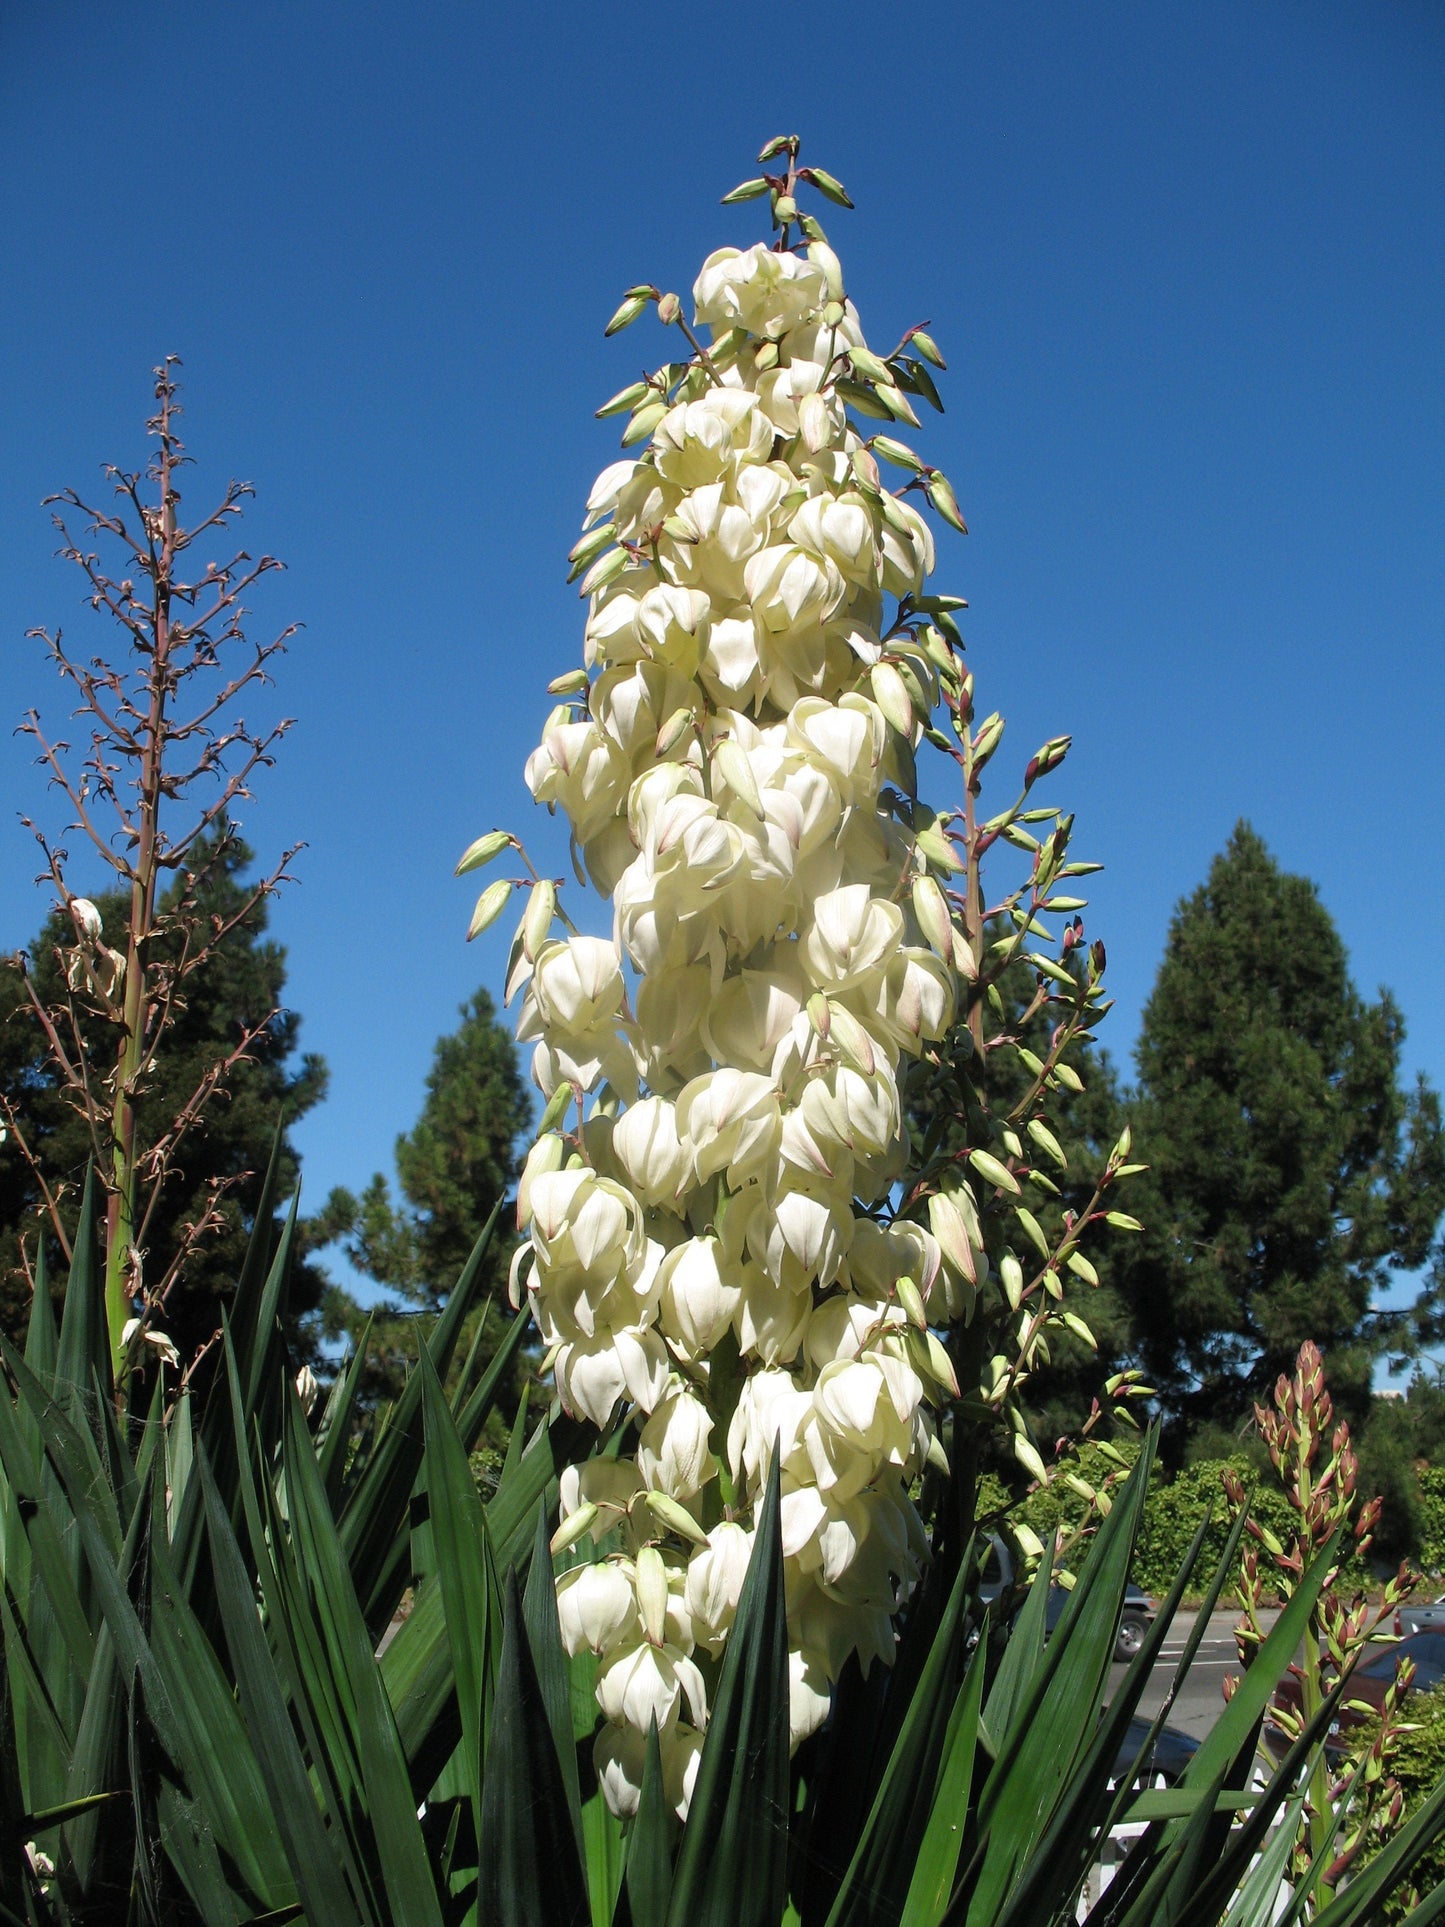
{"x":1427,"y":1650}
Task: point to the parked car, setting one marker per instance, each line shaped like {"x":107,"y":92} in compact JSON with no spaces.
{"x":1165,"y":1761}
{"x":1368,"y":1685}
{"x":1424,"y":1616}
{"x":999,"y":1576}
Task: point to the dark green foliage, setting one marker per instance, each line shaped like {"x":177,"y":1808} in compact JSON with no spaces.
{"x":1418,"y":1764}
{"x":194,"y":1725}
{"x":1289,"y":1168}
{"x":243,"y":981}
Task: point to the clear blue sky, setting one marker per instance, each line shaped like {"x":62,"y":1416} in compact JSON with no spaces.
{"x":1188,"y":266}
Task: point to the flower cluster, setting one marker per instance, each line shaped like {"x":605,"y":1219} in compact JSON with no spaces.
{"x":715,"y":1244}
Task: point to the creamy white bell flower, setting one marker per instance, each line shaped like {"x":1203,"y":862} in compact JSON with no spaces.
{"x":701,"y":441}
{"x":855,"y":935}
{"x":672,"y":623}
{"x":802,"y":1236}
{"x":846,"y":739}
{"x":696,"y":1303}
{"x":715,"y":1576}
{"x":159,"y":1342}
{"x":619,"y":1754}
{"x":730,"y":1122}
{"x":770,"y":1412}
{"x":916,"y":999}
{"x":634,"y":700}
{"x":548,"y":1154}
{"x":771,"y":1319}
{"x":841,"y":1327}
{"x":606,"y":489}
{"x":596,"y":1608}
{"x":646,"y":1144}
{"x":672,"y":1451}
{"x":809,"y":1696}
{"x":842,"y":1108}
{"x":577,"y":984}
{"x":581,"y":770}
{"x":593,"y":1375}
{"x":609,"y":1484}
{"x":731,"y":665}
{"x":670,"y":1008}
{"x":642,"y":1683}
{"x":840,"y":530}
{"x":791,"y":590}
{"x":882,"y":1254}
{"x":611,"y":636}
{"x":756,"y":289}
{"x":751,"y":1014}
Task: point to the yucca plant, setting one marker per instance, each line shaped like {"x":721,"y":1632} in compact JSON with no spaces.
{"x":196,"y":1723}
{"x":783,"y":1328}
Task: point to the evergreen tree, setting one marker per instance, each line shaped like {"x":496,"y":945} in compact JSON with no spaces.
{"x":221,"y":1161}
{"x":452,"y":1167}
{"x":1289,"y":1168}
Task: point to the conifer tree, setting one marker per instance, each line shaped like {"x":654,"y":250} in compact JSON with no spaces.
{"x":1290,"y":1166}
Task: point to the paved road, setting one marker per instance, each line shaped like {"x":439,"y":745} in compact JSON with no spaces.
{"x":1201,"y":1695}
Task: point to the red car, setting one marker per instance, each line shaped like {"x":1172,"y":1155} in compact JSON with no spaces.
{"x":1368,"y":1685}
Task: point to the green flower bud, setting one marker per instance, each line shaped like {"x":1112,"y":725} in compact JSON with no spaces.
{"x":630,"y":309}
{"x":574,"y":1527}
{"x":483,"y":850}
{"x":746,"y":191}
{"x":992,"y":1171}
{"x":785,"y":209}
{"x":1033,"y":1230}
{"x":643,"y":423}
{"x":537,"y":919}
{"x":1081,"y":1268}
{"x":490,"y":905}
{"x":870,"y":366}
{"x":624,"y":400}
{"x":776,"y":146}
{"x":940,"y":493}
{"x":1080,"y":1330}
{"x":864,"y":400}
{"x":668,"y":310}
{"x":833,"y":314}
{"x":673,"y":730}
{"x":826,"y":184}
{"x":584,"y":553}
{"x":897,"y":404}
{"x":1011,"y":1277}
{"x":676,"y":1517}
{"x":602,"y":572}
{"x":1028,"y":1457}
{"x":1047,"y":1142}
{"x":898,"y":453}
{"x":928,"y":348}
{"x":891,"y":696}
